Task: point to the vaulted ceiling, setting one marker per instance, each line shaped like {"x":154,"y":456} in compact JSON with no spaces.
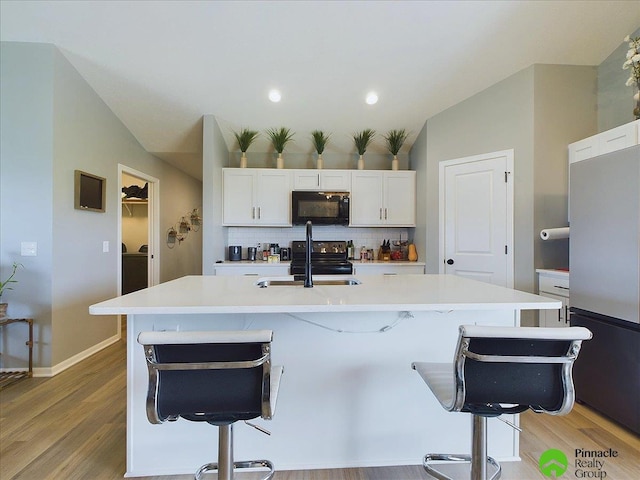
{"x":161,"y":65}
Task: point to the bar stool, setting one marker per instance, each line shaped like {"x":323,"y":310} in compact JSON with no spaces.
{"x":499,"y":370}
{"x":214,"y":377}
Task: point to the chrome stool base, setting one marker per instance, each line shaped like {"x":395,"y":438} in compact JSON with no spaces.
{"x":430,"y":458}
{"x":212,"y":467}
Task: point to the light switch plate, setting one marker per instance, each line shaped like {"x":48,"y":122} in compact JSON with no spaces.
{"x":105,"y":246}
{"x":29,"y":249}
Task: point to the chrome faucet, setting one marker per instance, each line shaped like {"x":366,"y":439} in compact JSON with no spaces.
{"x":308,"y":281}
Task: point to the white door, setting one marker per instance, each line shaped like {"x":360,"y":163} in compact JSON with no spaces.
{"x":476,"y":217}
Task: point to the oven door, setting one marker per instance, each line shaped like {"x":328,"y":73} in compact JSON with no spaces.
{"x":321,"y":208}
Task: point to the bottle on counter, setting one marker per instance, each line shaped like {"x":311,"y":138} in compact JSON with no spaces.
{"x":363,"y":253}
{"x":350,"y":252}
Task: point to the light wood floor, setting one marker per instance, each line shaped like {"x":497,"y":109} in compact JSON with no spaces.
{"x":72,"y":426}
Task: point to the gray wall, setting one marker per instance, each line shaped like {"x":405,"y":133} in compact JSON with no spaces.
{"x":215,"y":156}
{"x":52,"y":124}
{"x":498,"y":118}
{"x":537,"y":112}
{"x":564,"y":111}
{"x":26,"y":190}
{"x":615,"y":99}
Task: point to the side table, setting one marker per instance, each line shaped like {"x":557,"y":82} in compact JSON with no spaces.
{"x":7,"y":378}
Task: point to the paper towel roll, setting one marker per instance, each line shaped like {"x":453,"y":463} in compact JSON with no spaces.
{"x":554,"y":233}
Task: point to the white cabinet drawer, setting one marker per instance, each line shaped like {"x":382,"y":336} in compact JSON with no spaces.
{"x":387,"y":269}
{"x":554,"y":285}
{"x":257,"y":270}
{"x":617,"y":138}
{"x":587,"y":148}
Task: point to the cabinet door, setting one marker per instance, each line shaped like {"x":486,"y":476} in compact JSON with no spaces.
{"x":238,"y":203}
{"x":273,"y":204}
{"x":306,"y":179}
{"x":366,"y":199}
{"x":335,"y":180}
{"x":400,"y":199}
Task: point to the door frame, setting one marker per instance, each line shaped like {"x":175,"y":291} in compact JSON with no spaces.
{"x":153,"y":225}
{"x":509,"y":155}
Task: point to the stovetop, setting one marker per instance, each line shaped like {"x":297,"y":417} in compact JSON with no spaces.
{"x":327,"y":257}
{"x":323,"y":247}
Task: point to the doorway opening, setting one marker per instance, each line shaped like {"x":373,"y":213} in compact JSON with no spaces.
{"x":138,"y":231}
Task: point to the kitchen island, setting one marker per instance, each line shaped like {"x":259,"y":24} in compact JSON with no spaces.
{"x":348,"y":397}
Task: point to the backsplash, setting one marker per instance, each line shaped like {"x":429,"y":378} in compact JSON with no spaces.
{"x":369,"y":237}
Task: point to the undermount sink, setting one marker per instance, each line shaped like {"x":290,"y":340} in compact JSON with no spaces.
{"x":291,"y":281}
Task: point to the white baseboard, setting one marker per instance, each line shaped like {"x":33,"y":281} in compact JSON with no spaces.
{"x":69,"y":362}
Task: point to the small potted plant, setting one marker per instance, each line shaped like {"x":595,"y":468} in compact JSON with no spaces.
{"x":320,"y":140}
{"x":5,"y":285}
{"x":362,"y":140}
{"x":245,"y":138}
{"x":395,"y":139}
{"x":279,"y":138}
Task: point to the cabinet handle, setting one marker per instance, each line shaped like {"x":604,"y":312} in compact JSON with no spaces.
{"x":253,"y":213}
{"x":385,"y":213}
{"x":561,"y":287}
{"x":380,"y":213}
{"x":259,"y":214}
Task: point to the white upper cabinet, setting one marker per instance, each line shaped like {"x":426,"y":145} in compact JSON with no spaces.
{"x":256,"y":196}
{"x":380,"y":198}
{"x":332,"y":180}
{"x":624,"y":136}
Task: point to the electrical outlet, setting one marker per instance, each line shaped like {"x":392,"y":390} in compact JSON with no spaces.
{"x":105,"y":246}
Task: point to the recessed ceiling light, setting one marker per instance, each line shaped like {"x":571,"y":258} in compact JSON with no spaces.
{"x":372,"y":98}
{"x":274,"y":96}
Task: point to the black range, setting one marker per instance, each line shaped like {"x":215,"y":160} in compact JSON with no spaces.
{"x":327,"y":258}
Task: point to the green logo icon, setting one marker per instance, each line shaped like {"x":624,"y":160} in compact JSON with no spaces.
{"x":553,"y":463}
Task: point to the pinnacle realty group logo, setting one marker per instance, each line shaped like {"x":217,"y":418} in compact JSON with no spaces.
{"x":588,"y":463}
{"x":553,"y":463}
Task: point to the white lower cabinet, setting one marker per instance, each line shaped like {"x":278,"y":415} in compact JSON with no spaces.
{"x":380,"y":198}
{"x":554,"y":284}
{"x":256,"y":197}
{"x":388,"y":268}
{"x":256,"y":269}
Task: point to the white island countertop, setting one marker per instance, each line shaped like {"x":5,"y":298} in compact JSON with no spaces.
{"x":240,"y":294}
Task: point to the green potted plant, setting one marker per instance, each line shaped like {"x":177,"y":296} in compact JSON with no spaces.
{"x":279,"y":138}
{"x":5,"y":285}
{"x":320,"y":140}
{"x":395,"y":139}
{"x":362,"y":140}
{"x":245,"y":138}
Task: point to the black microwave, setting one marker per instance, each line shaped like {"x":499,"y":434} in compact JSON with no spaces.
{"x":321,"y":208}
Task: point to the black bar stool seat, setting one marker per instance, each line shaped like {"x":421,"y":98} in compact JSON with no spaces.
{"x":498,"y":370}
{"x":215,"y":377}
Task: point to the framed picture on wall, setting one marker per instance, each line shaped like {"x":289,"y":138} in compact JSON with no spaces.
{"x":90,"y":192}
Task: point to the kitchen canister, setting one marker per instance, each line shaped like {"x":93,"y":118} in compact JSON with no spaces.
{"x":235,"y":253}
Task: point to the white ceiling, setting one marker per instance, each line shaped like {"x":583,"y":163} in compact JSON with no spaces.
{"x":161,"y":65}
